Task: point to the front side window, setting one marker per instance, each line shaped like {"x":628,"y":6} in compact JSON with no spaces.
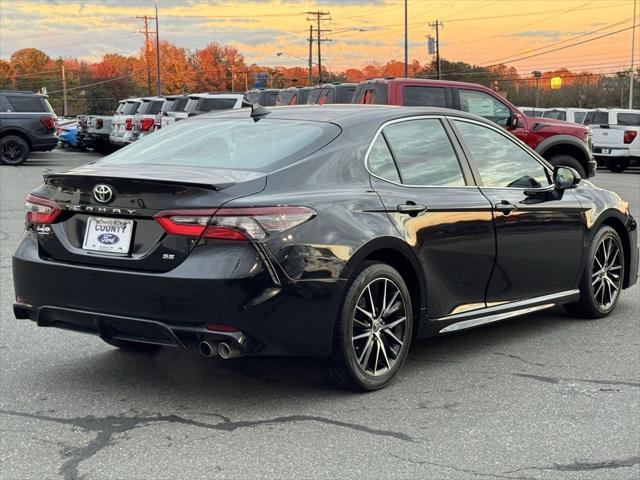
{"x":381,"y":162}
{"x":484,"y":105}
{"x":424,"y":97}
{"x":500,"y":161}
{"x":423,"y":153}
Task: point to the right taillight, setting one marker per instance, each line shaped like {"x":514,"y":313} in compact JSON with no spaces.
{"x":253,"y":223}
{"x":630,"y":136}
{"x":128,"y":123}
{"x":41,"y":210}
{"x":99,"y":123}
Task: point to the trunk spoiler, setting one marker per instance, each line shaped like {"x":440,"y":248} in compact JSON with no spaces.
{"x":215,"y":179}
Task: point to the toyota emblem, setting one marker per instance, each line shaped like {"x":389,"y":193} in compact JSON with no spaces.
{"x":102,"y":193}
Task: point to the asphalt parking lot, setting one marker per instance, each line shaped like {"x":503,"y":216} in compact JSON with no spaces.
{"x":538,"y":397}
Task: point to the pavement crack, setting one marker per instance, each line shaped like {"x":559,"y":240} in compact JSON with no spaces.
{"x":517,"y":357}
{"x":107,"y":427}
{"x":462,"y":470}
{"x":579,"y":466}
{"x":540,"y":378}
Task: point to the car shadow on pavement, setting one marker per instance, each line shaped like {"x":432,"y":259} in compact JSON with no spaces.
{"x":189,"y":377}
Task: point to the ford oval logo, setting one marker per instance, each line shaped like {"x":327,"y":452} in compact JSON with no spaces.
{"x":108,"y":238}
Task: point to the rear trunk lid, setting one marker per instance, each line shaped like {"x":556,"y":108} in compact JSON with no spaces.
{"x":138,"y":193}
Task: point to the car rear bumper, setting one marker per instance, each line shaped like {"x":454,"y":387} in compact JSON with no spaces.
{"x":44,"y":144}
{"x":276,"y":319}
{"x":611,"y":152}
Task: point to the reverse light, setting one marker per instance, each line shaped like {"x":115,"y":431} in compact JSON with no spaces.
{"x":41,"y":211}
{"x":128,"y":123}
{"x":630,"y":136}
{"x":253,"y":223}
{"x":146,"y":124}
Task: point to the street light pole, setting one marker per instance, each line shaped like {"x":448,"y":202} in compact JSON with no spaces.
{"x":537,"y":74}
{"x":159,"y":82}
{"x":406,"y":40}
{"x":633,"y":44}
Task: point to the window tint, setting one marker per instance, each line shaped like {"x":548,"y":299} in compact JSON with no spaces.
{"x":485,"y":106}
{"x":381,"y":162}
{"x":179,"y":104}
{"x":424,"y":96}
{"x":130,"y":108}
{"x":150,"y":108}
{"x":120,"y":108}
{"x":424,"y":153}
{"x":578,"y":117}
{"x":500,"y":161}
{"x":209,"y":104}
{"x":239,"y":144}
{"x":629,"y":119}
{"x":557,"y":114}
{"x":270,"y":99}
{"x":596,"y":118}
{"x":26,"y":103}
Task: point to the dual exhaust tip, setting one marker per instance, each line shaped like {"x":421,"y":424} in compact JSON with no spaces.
{"x":224,"y":349}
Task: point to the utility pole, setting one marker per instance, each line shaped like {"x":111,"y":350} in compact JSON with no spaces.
{"x":310,"y":55}
{"x":406,"y":40}
{"x":146,"y":32}
{"x":437,"y":24}
{"x":320,"y":16}
{"x":633,"y":45}
{"x":536,"y":74}
{"x":64,"y":92}
{"x":159,"y":81}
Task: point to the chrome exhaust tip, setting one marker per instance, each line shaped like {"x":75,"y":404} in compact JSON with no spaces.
{"x":227,"y":351}
{"x":207,"y":349}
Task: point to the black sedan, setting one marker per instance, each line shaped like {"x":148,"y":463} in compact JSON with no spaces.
{"x":342,"y":232}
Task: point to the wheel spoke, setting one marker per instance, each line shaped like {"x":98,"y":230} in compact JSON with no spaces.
{"x":393,"y":324}
{"x":375,"y":365}
{"x":367,"y":313}
{"x":391,"y":304}
{"x":614,"y":257}
{"x":392,"y":335}
{"x":600,"y":287}
{"x":365,"y":353}
{"x":384,"y":296}
{"x":363,"y":335}
{"x":373,"y":307}
{"x":384,"y":353}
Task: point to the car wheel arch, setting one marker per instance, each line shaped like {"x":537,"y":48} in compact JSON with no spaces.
{"x":18,"y":133}
{"x":614,"y":221}
{"x":396,"y":253}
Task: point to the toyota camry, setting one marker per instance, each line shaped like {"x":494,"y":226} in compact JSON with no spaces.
{"x":341,"y":232}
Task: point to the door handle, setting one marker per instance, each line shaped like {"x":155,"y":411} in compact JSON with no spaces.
{"x":411,"y":208}
{"x":505,"y":207}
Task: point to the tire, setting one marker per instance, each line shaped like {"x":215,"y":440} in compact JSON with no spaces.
{"x":132,"y":346}
{"x":371,"y":361}
{"x":568,"y":161}
{"x":617,"y":164}
{"x":14,"y":150}
{"x":602,"y":278}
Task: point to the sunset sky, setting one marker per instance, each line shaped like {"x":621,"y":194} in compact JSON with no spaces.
{"x":475,"y":31}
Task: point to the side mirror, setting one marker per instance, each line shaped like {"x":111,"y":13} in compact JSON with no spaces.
{"x":515,"y":121}
{"x":565,"y":177}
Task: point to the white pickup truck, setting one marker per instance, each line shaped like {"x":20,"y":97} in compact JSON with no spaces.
{"x":616,"y":137}
{"x":93,"y":132}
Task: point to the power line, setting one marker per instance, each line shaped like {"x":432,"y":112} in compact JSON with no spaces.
{"x":146,"y":32}
{"x":320,"y":17}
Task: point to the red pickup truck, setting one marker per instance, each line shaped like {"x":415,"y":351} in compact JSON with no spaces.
{"x":560,"y":143}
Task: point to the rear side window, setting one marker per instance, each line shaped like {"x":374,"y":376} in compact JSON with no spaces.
{"x":556,"y":114}
{"x":596,"y":118}
{"x":228,"y":143}
{"x":26,"y":103}
{"x":629,"y":119}
{"x":424,"y":96}
{"x":213,"y":103}
{"x":423,"y":153}
{"x":381,"y":162}
{"x":130,"y":108}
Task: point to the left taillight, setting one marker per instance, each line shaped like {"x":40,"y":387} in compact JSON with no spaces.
{"x":146,"y":124}
{"x":253,"y":223}
{"x":41,"y":210}
{"x":49,"y":122}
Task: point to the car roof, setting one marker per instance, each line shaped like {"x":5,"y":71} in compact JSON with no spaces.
{"x":343,"y":114}
{"x":424,"y":81}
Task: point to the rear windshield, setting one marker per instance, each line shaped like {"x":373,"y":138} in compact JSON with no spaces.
{"x":556,"y":114}
{"x":228,"y":143}
{"x":130,"y":108}
{"x":629,"y":119}
{"x":120,"y":108}
{"x":596,"y":118}
{"x":192,"y":103}
{"x":178,"y":104}
{"x":150,"y":108}
{"x":213,"y":103}
{"x":26,"y":103}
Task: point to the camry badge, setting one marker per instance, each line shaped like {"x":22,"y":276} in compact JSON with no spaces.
{"x":102,"y":193}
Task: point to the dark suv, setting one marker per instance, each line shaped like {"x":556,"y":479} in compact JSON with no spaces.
{"x":560,"y":143}
{"x":27,"y":123}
